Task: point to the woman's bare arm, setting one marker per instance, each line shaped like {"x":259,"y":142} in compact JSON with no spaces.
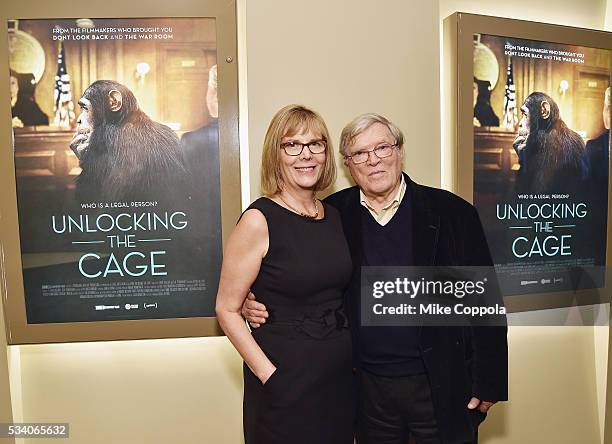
{"x":246,"y":247}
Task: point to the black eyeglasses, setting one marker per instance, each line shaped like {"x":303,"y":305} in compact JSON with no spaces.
{"x":380,"y":151}
{"x":293,"y":148}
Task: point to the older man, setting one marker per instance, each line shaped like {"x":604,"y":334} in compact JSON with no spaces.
{"x":598,"y":149}
{"x":201,"y":151}
{"x":432,"y":383}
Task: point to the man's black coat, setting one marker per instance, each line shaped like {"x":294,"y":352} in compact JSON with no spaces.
{"x":460,"y":362}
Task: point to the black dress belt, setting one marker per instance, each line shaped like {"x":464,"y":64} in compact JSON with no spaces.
{"x":315,"y":323}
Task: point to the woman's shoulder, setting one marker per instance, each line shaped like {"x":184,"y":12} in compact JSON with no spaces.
{"x":251,"y":232}
{"x":253,"y":221}
{"x":257,"y":211}
{"x":263,"y":204}
{"x":267,"y":211}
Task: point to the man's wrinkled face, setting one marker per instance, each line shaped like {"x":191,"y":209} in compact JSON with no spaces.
{"x":376,"y":177}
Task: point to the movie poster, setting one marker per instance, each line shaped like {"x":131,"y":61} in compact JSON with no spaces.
{"x":117,"y":167}
{"x":541,"y":156}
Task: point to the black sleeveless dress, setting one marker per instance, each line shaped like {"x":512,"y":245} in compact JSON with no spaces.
{"x":309,"y":398}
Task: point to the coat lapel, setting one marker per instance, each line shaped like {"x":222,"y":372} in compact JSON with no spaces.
{"x":425,"y":226}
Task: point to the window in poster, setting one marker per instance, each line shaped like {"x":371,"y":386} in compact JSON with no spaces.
{"x":541,"y":156}
{"x":116,"y":146}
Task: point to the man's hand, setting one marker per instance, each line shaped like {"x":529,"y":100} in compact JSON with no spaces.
{"x":254,"y":312}
{"x":483,"y":406}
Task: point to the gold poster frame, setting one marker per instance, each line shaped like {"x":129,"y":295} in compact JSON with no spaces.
{"x":11,"y":284}
{"x":458,"y":111}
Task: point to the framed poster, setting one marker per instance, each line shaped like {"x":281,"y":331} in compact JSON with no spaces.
{"x":126,"y":174}
{"x":532,"y":109}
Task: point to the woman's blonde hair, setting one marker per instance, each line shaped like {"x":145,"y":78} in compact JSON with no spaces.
{"x":289,"y":121}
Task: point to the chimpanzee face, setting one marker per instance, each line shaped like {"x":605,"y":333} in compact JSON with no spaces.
{"x":85,"y":120}
{"x":80,"y":142}
{"x":537,"y":113}
{"x":109,"y":107}
{"x":523,"y":131}
{"x":524,"y":123}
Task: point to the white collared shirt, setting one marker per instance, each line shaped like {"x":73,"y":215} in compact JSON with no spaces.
{"x":388,"y":211}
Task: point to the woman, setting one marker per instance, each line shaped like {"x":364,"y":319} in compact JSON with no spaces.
{"x":289,"y":249}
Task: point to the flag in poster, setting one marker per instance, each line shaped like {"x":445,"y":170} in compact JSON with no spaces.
{"x":510,"y":119}
{"x":63,"y":105}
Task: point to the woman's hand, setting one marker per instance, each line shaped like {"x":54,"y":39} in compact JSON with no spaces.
{"x":268,"y":376}
{"x":254,"y":312}
{"x":245,"y":248}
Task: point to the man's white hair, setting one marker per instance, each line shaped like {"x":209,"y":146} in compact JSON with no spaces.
{"x":361,"y":123}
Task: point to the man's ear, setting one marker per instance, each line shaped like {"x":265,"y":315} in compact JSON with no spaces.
{"x":401,"y":152}
{"x":115,"y":100}
{"x":545,"y":110}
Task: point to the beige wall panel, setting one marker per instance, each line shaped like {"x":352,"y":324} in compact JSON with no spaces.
{"x":344,"y":58}
{"x":6,"y":414}
{"x":186,"y":391}
{"x":553,"y":395}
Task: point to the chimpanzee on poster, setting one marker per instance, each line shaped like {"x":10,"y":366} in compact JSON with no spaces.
{"x":124,"y":155}
{"x":552,"y":157}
